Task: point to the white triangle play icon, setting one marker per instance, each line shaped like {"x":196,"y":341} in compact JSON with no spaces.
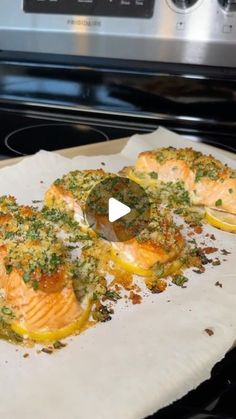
{"x":117,"y":210}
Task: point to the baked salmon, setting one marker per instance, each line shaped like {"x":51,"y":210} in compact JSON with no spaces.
{"x":161,"y":241}
{"x":71,"y":192}
{"x":208,"y":181}
{"x":36,"y":274}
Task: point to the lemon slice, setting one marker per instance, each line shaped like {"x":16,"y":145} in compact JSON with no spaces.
{"x":145,"y":180}
{"x":220,"y":219}
{"x":48,"y":336}
{"x":130,"y":267}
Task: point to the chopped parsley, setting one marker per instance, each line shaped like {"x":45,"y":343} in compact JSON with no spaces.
{"x":33,"y":246}
{"x":153,"y":175}
{"x":112,"y":295}
{"x":85,"y":278}
{"x":179,"y":280}
{"x":7,"y":311}
{"x":218,"y":203}
{"x":9,"y":269}
{"x":59,"y":345}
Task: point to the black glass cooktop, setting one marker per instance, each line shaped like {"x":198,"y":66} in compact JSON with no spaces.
{"x":215,"y":398}
{"x":46,"y":103}
{"x":23,"y":134}
{"x":26,"y":132}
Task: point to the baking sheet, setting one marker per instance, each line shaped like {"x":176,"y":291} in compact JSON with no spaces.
{"x":148,"y":355}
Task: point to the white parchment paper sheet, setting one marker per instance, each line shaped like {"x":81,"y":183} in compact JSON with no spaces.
{"x":148,"y":355}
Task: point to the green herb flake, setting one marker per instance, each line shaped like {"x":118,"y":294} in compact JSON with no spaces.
{"x":199,"y":175}
{"x":26,"y":277}
{"x":153,"y":175}
{"x":7,"y":311}
{"x":231,"y":190}
{"x":59,"y":345}
{"x":218,"y":203}
{"x":179,"y":280}
{"x":112,"y":295}
{"x":35,"y":285}
{"x":9,"y":235}
{"x":9,"y":269}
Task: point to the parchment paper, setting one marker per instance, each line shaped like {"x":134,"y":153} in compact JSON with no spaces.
{"x":149,"y":355}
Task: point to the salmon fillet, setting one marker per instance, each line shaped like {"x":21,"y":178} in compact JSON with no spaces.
{"x":208,"y":181}
{"x":35,"y":270}
{"x":160,"y":243}
{"x":72,"y":190}
{"x":38,"y":310}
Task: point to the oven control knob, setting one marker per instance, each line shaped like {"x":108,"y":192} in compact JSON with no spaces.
{"x":228,"y":5}
{"x":184,"y":4}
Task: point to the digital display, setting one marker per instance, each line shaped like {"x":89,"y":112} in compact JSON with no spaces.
{"x":110,"y":8}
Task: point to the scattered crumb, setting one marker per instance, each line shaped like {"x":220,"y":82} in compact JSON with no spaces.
{"x":36,"y":201}
{"x":190,"y":234}
{"x":225,"y":252}
{"x":200,"y":270}
{"x":48,"y":350}
{"x":103,"y":164}
{"x":135,"y":298}
{"x":168,"y":301}
{"x":209,"y":332}
{"x":218,"y":284}
{"x":198,"y":229}
{"x":59,"y":345}
{"x":216,"y":262}
{"x":41,"y":181}
{"x":212,"y":237}
{"x":26,"y":355}
{"x":208,"y":250}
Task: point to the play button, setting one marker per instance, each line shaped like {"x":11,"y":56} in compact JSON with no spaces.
{"x":117,"y":209}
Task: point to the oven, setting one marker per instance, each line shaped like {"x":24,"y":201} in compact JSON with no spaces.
{"x":79,"y":72}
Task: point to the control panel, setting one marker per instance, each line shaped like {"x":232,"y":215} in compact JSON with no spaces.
{"x":228,"y":5}
{"x":184,"y":4}
{"x":111,"y":8}
{"x":198,"y":32}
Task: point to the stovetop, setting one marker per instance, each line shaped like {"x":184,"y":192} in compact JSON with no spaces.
{"x":26,"y":132}
{"x":54,"y":106}
{"x":215,"y":398}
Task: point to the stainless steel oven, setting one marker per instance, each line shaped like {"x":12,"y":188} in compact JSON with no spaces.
{"x":181,"y":31}
{"x":74,"y":72}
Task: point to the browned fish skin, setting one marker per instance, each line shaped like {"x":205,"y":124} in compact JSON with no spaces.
{"x":208,"y":181}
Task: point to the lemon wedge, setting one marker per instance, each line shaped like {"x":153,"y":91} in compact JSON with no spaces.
{"x":220,"y":219}
{"x":48,"y":336}
{"x":130,"y":267}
